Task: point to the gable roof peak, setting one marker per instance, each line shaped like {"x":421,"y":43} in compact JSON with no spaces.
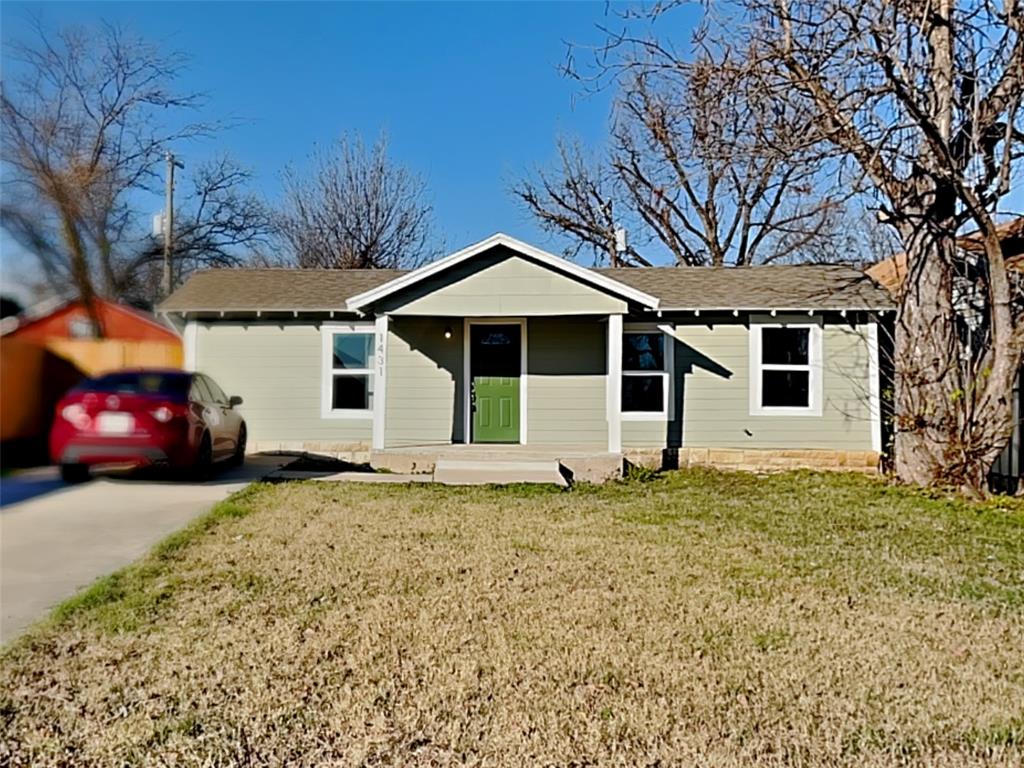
{"x":550,"y":260}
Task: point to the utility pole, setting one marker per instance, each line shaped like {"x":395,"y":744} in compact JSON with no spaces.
{"x":620,"y":247}
{"x":168,"y":277}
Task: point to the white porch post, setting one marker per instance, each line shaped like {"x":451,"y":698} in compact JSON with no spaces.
{"x":189,"y":344}
{"x":874,"y":387}
{"x":379,"y":379}
{"x":614,"y":384}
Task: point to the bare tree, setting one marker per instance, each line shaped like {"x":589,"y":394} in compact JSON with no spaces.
{"x":217,"y":223}
{"x":357,"y":210}
{"x":579,"y":199}
{"x":700,"y":162}
{"x":923,"y":96}
{"x":715,"y":170}
{"x":80,"y":129}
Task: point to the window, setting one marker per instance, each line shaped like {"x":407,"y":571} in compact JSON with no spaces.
{"x":645,"y":380}
{"x":348,"y":371}
{"x":215,"y":391}
{"x":199,"y":393}
{"x":785,"y":369}
{"x":170,"y":385}
{"x":80,"y":327}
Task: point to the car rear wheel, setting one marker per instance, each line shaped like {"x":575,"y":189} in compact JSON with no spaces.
{"x":74,"y":473}
{"x":239,"y":456}
{"x":203,"y":467}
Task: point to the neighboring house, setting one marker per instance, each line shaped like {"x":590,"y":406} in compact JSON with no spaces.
{"x":891,"y":272}
{"x":68,"y":319}
{"x":503,"y":343}
{"x":129,"y":337}
{"x":49,"y":347}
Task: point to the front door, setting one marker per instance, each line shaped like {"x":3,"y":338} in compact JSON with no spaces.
{"x":494,"y":366}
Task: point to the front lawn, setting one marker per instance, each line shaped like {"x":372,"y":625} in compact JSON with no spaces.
{"x":700,"y":618}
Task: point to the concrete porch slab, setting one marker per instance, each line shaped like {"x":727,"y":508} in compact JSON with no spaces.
{"x":582,"y":464}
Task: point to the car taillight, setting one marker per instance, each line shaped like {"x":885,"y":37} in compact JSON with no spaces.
{"x":76,"y":415}
{"x":163,"y":414}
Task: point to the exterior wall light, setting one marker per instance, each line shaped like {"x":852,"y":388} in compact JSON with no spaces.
{"x":447,"y":331}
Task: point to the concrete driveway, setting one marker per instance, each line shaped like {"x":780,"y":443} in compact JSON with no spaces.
{"x":56,"y":539}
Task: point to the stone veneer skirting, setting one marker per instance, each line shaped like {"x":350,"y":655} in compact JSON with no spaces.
{"x":756,"y":460}
{"x":749,"y":459}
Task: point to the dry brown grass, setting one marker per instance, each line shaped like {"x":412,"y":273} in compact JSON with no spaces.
{"x":698,"y":619}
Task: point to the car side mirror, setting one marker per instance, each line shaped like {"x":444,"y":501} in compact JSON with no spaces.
{"x":234,"y":400}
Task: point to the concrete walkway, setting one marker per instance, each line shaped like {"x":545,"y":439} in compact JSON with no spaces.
{"x":55,"y":543}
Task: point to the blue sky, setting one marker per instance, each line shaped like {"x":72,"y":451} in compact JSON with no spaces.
{"x":469,"y":93}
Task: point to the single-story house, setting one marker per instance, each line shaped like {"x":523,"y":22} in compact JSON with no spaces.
{"x":504,"y":349}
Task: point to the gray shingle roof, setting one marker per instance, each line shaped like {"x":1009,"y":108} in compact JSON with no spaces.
{"x":776,"y":286}
{"x":790,"y":286}
{"x":235,"y":290}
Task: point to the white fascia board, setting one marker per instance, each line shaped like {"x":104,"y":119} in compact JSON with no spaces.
{"x":777,"y":309}
{"x":549,"y":259}
{"x":190,"y":345}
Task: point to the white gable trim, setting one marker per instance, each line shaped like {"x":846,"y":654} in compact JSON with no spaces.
{"x":582,"y":274}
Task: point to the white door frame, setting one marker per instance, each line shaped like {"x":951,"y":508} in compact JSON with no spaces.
{"x":467,"y":435}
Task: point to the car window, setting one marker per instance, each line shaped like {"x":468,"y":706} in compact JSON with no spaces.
{"x":215,"y":391}
{"x":172,"y":385}
{"x":199,"y":393}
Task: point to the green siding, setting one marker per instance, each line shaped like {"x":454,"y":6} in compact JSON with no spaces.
{"x":276,"y":368}
{"x":566,"y":361}
{"x":512,"y":287}
{"x":644,"y":434}
{"x":424,"y":382}
{"x":715,"y":390}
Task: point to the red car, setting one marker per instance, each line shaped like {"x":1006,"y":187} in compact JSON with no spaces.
{"x":146,"y":418}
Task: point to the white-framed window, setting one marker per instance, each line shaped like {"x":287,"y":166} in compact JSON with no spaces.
{"x":646,"y":384}
{"x":785,"y":368}
{"x":347,"y":370}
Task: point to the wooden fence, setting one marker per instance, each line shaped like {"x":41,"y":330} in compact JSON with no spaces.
{"x":34,"y":377}
{"x":95,"y":356}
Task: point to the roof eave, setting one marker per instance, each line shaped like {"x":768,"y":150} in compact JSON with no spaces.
{"x":805,"y":308}
{"x":223,"y":311}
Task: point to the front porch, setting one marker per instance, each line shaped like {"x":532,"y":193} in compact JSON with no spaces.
{"x":539,"y":383}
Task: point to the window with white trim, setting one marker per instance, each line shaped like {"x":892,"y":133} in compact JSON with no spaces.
{"x":348,"y":371}
{"x":785,"y":361}
{"x":645,"y":379}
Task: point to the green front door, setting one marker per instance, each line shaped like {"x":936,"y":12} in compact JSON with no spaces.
{"x":494,"y":366}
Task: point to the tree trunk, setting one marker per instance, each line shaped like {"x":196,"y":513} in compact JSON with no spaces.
{"x":80,"y":271}
{"x":926,"y":350}
{"x":953,"y":403}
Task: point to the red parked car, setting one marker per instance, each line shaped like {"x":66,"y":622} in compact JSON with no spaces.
{"x":146,"y":418}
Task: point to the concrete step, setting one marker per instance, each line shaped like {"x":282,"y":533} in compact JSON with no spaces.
{"x":485,"y":471}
